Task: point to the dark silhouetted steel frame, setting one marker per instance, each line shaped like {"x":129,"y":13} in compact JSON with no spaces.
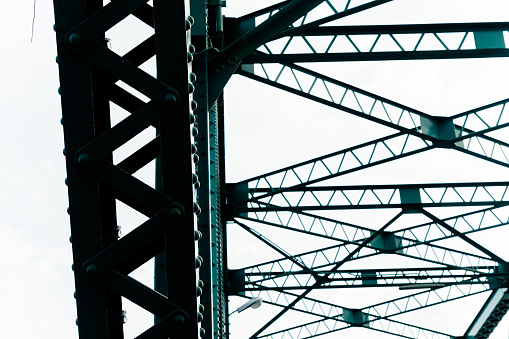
{"x":196,"y":55}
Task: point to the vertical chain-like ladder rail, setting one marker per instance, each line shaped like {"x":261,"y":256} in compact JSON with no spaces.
{"x":208,"y":119}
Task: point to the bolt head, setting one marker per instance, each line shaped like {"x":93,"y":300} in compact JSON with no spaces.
{"x":175,"y":213}
{"x":178,"y":320}
{"x":75,"y":40}
{"x":92,"y":270}
{"x":196,"y":208}
{"x":84,"y":159}
{"x":197,"y":235}
{"x":170,"y":98}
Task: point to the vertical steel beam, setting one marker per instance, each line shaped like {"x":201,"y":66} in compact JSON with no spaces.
{"x":221,"y":231}
{"x":173,"y":67}
{"x":200,"y":120}
{"x":207,"y":117}
{"x":77,"y":83}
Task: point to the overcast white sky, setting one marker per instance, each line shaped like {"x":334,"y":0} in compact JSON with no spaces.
{"x":36,"y":284}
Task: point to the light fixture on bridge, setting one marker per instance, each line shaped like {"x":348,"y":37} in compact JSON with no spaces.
{"x":254,"y":302}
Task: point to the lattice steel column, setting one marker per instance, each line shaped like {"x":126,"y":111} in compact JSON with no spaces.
{"x":89,"y":72}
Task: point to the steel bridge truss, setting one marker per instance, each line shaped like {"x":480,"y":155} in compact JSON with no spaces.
{"x":293,"y":199}
{"x":187,"y":208}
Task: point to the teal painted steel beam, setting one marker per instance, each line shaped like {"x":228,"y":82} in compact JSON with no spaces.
{"x":258,"y":58}
{"x":402,"y":29}
{"x":489,"y":316}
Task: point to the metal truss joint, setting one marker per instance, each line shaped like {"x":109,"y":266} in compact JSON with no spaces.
{"x":387,"y":242}
{"x":356,"y":317}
